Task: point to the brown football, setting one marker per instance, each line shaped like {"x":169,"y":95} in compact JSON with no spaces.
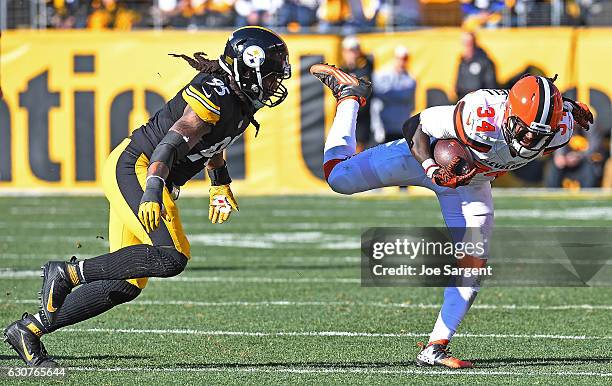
{"x":447,"y":149}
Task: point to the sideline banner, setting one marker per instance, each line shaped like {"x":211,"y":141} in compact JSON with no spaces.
{"x":69,"y":97}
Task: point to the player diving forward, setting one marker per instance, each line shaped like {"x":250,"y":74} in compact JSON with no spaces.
{"x":504,"y":129}
{"x":140,"y":180}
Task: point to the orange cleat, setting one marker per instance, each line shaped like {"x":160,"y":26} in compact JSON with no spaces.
{"x":341,"y":84}
{"x":436,"y":353}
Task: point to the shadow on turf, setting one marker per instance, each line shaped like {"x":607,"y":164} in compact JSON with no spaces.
{"x":525,"y":362}
{"x":86,"y":357}
{"x":484,"y":363}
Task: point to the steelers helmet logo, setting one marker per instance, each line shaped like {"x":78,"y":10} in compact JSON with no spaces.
{"x":253,"y":56}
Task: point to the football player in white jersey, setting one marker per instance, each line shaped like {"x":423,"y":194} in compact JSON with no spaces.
{"x":504,"y":129}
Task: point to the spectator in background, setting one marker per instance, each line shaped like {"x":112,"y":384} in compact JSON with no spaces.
{"x":351,"y":15}
{"x":479,"y":13}
{"x":255,"y":12}
{"x":476,"y":70}
{"x":297,"y":13}
{"x":111,"y":14}
{"x":332,"y":13}
{"x":401,"y":13}
{"x":577,"y":165}
{"x":65,"y":14}
{"x":356,"y":63}
{"x":393,"y":97}
{"x":101,"y":16}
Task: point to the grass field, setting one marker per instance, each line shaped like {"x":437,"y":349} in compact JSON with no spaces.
{"x":274,"y":297}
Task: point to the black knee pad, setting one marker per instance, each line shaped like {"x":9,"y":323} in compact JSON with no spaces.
{"x":174,"y":261}
{"x":120,"y":291}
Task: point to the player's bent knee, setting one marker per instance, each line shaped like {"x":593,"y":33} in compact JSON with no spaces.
{"x":329,"y":166}
{"x":120,"y":291}
{"x":173,"y":261}
{"x":341,"y":185}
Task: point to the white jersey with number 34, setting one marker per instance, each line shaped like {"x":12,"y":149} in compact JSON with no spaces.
{"x":477,"y":121}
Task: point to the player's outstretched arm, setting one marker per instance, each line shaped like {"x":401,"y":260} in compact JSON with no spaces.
{"x":181,"y":137}
{"x":222,"y":200}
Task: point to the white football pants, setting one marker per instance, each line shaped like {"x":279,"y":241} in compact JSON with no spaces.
{"x":392,"y":164}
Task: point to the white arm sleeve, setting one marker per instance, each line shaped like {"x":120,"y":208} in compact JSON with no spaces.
{"x":437,"y":122}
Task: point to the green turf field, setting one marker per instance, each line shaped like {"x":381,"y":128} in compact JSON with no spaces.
{"x":274,"y":297}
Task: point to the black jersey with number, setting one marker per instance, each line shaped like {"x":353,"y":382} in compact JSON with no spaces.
{"x":216,"y":104}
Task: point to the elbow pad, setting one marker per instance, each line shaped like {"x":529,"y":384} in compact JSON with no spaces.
{"x":410,"y":126}
{"x":171,"y":148}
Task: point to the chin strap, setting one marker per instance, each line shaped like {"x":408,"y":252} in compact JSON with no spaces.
{"x":236,"y":78}
{"x":254,"y":123}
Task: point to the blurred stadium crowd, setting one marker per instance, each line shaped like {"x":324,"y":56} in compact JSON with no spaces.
{"x":345,"y":16}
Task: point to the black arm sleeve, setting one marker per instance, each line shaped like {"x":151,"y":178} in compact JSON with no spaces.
{"x":409,"y":128}
{"x":219,"y":176}
{"x":171,"y":148}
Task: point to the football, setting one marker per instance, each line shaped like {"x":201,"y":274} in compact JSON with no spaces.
{"x":445,"y":150}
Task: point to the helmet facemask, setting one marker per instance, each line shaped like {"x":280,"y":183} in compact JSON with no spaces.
{"x":516,"y":132}
{"x":274,"y":92}
{"x":261,"y":78}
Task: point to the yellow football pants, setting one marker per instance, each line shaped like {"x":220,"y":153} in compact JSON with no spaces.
{"x":124,"y":179}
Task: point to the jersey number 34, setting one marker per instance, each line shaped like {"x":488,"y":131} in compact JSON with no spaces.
{"x":489,"y":112}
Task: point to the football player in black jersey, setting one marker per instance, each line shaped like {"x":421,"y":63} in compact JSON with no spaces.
{"x":141,"y":181}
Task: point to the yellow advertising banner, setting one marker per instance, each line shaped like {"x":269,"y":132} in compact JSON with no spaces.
{"x":69,"y":97}
{"x":435,"y":55}
{"x":593,"y":61}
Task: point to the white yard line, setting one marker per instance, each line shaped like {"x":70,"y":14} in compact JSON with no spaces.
{"x":289,"y":303}
{"x":10,"y":274}
{"x":341,"y":370}
{"x":270,"y":259}
{"x":323,"y":334}
{"x":225,"y":279}
{"x":54,"y":240}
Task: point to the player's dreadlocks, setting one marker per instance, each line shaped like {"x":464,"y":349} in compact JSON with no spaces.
{"x":200,"y":63}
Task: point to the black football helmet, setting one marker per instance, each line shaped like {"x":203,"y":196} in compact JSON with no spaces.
{"x":258,"y":60}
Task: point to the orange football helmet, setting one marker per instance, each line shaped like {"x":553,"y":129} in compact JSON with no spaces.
{"x":533,"y":111}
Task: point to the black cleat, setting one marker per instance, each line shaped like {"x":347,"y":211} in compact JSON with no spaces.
{"x":24,"y":337}
{"x":59,"y":278}
{"x":343,"y":85}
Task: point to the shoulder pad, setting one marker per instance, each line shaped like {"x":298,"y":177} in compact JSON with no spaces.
{"x":205,"y":96}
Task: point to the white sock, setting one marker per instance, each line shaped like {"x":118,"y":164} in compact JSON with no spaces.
{"x":81,"y":269}
{"x":457,"y":302}
{"x":341,"y":142}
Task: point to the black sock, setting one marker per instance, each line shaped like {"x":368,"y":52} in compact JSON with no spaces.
{"x":134,"y":262}
{"x":93,"y":299}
